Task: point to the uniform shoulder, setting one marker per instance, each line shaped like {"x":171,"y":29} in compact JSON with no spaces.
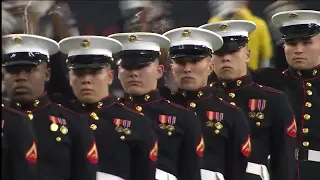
{"x":227,"y":104}
{"x":177,"y":106}
{"x":270,"y":89}
{"x":12,"y":111}
{"x":65,"y":110}
{"x":125,"y":108}
{"x":267,"y":71}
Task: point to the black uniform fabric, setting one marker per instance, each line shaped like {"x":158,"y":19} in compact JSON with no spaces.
{"x":125,"y":139}
{"x":18,"y":146}
{"x":302,"y":88}
{"x":272,"y":123}
{"x":178,"y":131}
{"x":66,"y":147}
{"x":225,"y":129}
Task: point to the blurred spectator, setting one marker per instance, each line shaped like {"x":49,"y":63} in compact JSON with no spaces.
{"x":279,"y":60}
{"x":260,"y":43}
{"x":52,"y":19}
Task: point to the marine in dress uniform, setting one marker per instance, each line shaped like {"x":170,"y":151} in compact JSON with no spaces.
{"x":66,"y":147}
{"x":125,"y":138}
{"x":178,"y":130}
{"x":18,"y":144}
{"x":225,"y":127}
{"x":270,"y":114}
{"x":301,"y":81}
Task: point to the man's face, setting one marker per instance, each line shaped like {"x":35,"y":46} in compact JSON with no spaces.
{"x":138,"y":82}
{"x":233,"y":65}
{"x":192,"y":74}
{"x":91,"y":85}
{"x":25,"y":83}
{"x":303,"y":54}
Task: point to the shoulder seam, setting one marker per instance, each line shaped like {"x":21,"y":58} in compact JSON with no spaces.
{"x":177,"y":105}
{"x":69,"y":110}
{"x":128,"y":109}
{"x":14,"y":111}
{"x":269,"y":89}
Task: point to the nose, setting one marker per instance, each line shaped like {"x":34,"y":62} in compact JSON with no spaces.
{"x":86,"y":79}
{"x":298,"y":49}
{"x":226,"y":58}
{"x":133,"y":73}
{"x":21,"y":76}
{"x":187,"y":68}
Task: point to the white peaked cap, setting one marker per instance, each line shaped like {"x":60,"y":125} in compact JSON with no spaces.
{"x":231,"y":27}
{"x":296,"y":17}
{"x":15,"y":43}
{"x":194,"y":36}
{"x":89,"y":45}
{"x":141,"y":41}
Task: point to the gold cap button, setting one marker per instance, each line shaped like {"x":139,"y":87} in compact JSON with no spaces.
{"x":93,"y":127}
{"x":306,"y":116}
{"x":193,"y":105}
{"x":139,"y":108}
{"x":305,"y":143}
{"x":308,"y":84}
{"x":308,"y":104}
{"x":309,"y":92}
{"x":58,"y":139}
{"x":232,"y":95}
{"x":305,"y":130}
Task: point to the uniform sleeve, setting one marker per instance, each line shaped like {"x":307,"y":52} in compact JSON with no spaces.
{"x":22,"y":147}
{"x":84,"y":151}
{"x":283,"y":163}
{"x":146,"y":153}
{"x":192,"y":149}
{"x":240,"y":148}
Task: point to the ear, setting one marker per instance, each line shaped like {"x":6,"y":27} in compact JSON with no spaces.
{"x":210,"y":65}
{"x":70,"y":77}
{"x":47,"y":74}
{"x":248,"y":55}
{"x":110,"y":74}
{"x":171,"y":68}
{"x":160,"y":69}
{"x":119,"y":68}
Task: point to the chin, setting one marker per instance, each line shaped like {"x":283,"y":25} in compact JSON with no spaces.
{"x":26,"y":98}
{"x":300,"y":66}
{"x":135,"y":91}
{"x":189,"y":87}
{"x":88,"y":99}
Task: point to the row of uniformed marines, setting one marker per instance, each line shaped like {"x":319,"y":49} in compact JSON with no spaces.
{"x":178,"y":131}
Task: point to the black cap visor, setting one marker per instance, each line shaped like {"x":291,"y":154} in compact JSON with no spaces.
{"x":299,"y":32}
{"x":136,"y":59}
{"x":189,"y":52}
{"x":231,"y":44}
{"x":24,"y":58}
{"x":89,"y":61}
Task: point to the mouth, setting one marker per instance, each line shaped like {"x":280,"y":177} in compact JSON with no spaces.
{"x":187,"y":78}
{"x":226,"y":68}
{"x":86,"y":90}
{"x":133,"y":83}
{"x":298,"y":59}
{"x":21,"y":89}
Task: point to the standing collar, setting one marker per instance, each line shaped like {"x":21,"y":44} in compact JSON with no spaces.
{"x":43,"y":100}
{"x":147,"y":98}
{"x":305,"y":74}
{"x":104,"y":102}
{"x":234,"y":84}
{"x":196,"y":94}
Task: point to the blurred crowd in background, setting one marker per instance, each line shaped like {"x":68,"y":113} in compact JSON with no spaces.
{"x":60,"y":19}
